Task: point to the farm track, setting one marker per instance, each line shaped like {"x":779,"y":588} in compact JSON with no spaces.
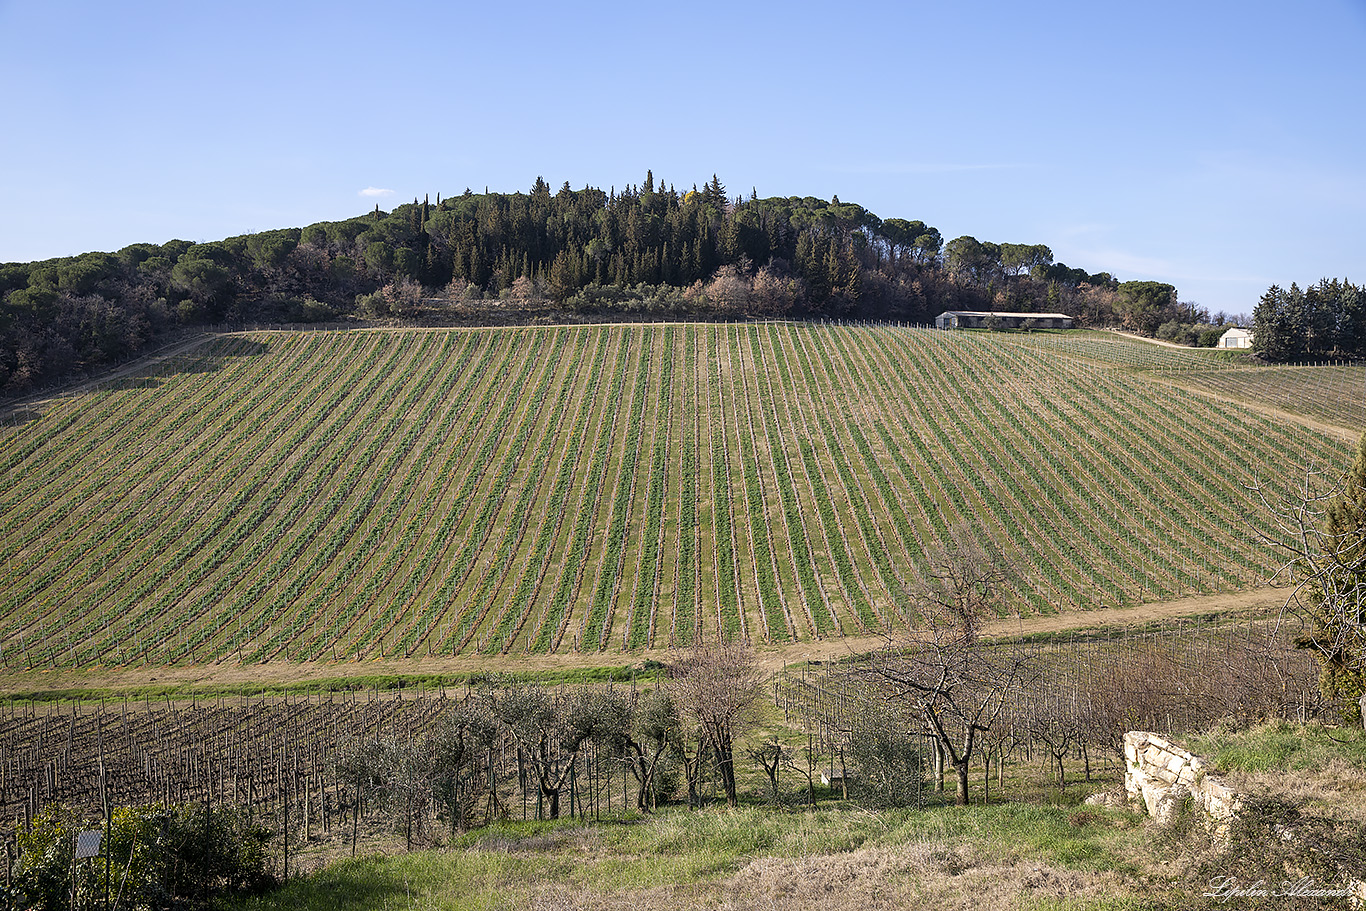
{"x":275,"y":498}
{"x":770,"y":658}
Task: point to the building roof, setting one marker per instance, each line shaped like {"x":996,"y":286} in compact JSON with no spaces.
{"x":1004,"y":313}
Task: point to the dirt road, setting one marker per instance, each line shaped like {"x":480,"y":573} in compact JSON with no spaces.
{"x":771,"y":658}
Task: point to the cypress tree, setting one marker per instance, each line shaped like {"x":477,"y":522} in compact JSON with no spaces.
{"x":851,"y":283}
{"x":728,"y":247}
{"x":1273,"y":331}
{"x":834,"y":271}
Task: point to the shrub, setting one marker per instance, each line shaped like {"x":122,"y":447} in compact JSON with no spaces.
{"x":158,"y":859}
{"x":1273,"y":846}
{"x":888,"y":767}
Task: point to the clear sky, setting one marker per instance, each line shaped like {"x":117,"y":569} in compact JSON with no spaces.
{"x":1219,"y":146}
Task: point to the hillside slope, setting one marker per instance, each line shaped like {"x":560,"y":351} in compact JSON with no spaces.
{"x":405,"y":493}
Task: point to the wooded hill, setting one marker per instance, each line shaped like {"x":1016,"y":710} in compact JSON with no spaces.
{"x":510,"y":257}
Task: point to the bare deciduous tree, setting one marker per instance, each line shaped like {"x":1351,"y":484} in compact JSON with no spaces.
{"x":1321,"y":531}
{"x":946,"y":675}
{"x":716,"y":689}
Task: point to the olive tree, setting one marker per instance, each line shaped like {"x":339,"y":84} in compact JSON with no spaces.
{"x":550,"y":728}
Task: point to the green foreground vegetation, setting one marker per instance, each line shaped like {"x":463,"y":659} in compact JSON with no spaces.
{"x":1035,"y":846}
{"x":751,"y":855}
{"x":1040,"y":849}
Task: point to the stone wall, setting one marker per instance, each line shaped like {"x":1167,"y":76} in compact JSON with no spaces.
{"x":1159,"y":776}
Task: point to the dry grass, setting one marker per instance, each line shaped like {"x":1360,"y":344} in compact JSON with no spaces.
{"x":1336,"y":792}
{"x":1320,"y":769}
{"x":867,"y":879}
{"x":949,"y":858}
{"x":919,"y":875}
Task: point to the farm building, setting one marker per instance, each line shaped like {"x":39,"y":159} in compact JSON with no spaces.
{"x":986,"y":319}
{"x":1236,"y":338}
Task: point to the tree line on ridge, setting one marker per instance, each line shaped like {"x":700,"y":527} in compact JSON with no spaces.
{"x":648,"y":250}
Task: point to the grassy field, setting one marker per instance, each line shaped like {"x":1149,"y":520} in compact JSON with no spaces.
{"x":998,"y":857}
{"x":398,"y":494}
{"x":1040,"y":850}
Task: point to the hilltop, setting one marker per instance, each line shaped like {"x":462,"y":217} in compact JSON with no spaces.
{"x":647,"y":251}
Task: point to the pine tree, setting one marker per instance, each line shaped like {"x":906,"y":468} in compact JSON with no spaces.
{"x":714,"y":195}
{"x":1273,"y":331}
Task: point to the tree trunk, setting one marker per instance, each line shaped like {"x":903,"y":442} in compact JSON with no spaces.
{"x":727,"y":763}
{"x":552,"y":802}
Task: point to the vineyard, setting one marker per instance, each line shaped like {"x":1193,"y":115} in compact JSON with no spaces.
{"x":306,"y":769}
{"x":346,"y":495}
{"x":309,"y":767}
{"x":1179,"y":676}
{"x":1334,"y":394}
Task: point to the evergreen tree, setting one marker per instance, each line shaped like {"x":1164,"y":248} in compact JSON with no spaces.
{"x":1338,"y":595}
{"x":563,"y":282}
{"x":1352,"y":325}
{"x":1273,"y":332}
{"x":851,"y":278}
{"x":728,"y":244}
{"x":714,"y":195}
{"x":833,"y":278}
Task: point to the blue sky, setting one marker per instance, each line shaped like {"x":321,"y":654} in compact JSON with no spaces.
{"x":1218,"y":146}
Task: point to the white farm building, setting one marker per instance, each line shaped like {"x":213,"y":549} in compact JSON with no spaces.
{"x":989,"y":319}
{"x":1236,"y":338}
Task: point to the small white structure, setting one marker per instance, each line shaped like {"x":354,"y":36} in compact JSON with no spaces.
{"x":1236,"y":338}
{"x":987,"y":319}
